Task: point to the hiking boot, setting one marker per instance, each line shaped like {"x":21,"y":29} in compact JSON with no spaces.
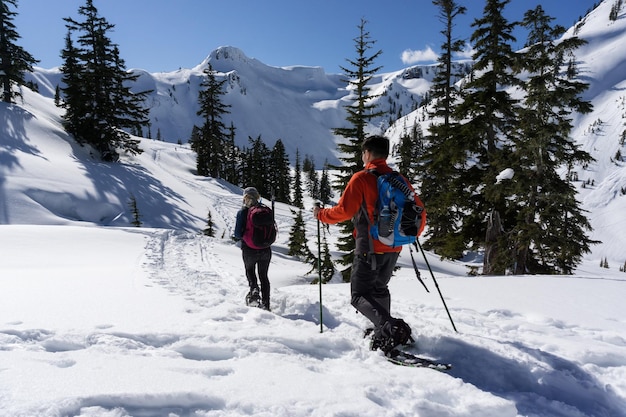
{"x":393,"y":333}
{"x":400,"y":332}
{"x":253,"y":298}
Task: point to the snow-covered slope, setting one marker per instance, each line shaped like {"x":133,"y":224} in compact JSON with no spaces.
{"x":602,"y":184}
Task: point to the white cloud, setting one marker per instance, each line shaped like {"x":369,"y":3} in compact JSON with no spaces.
{"x":466,"y":53}
{"x":411,"y":57}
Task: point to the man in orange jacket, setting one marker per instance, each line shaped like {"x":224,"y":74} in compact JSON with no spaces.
{"x":372,"y":268}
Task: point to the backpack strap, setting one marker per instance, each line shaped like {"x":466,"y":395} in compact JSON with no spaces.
{"x":396,"y":182}
{"x":402,"y":186}
{"x":370,"y":253}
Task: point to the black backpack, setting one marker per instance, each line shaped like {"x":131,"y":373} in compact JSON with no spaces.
{"x":261,"y":229}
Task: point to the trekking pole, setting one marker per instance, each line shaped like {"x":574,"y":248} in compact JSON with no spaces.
{"x":417,"y":243}
{"x":319,"y":265}
{"x":417,"y":272}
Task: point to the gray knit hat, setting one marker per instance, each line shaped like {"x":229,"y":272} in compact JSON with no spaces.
{"x":252,"y":195}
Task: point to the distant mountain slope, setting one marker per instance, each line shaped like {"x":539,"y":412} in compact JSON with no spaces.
{"x":299,"y":105}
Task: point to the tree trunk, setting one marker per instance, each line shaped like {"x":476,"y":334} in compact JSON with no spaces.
{"x":492,"y":248}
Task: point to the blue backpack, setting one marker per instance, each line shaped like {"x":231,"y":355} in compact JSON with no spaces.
{"x":397,"y":217}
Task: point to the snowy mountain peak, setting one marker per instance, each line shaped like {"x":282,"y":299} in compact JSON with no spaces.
{"x":225,"y":57}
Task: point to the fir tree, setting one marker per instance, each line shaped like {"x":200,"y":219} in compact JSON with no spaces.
{"x":209,"y":230}
{"x":322,"y":263}
{"x":615,"y":9}
{"x":254,"y":169}
{"x":326,"y":191}
{"x":99,"y":104}
{"x":444,"y":156}
{"x":210,"y":143}
{"x":232,"y":157}
{"x":297,"y":183}
{"x":135,"y":211}
{"x":14,"y":60}
{"x":549,"y":231}
{"x":487,"y":114}
{"x":245,"y":169}
{"x":280,"y":172}
{"x":327,"y":266}
{"x":409,"y":151}
{"x":297,"y":238}
{"x":313,"y":181}
{"x":443,"y":93}
{"x":308,"y":163}
{"x":360,"y":111}
{"x":72,"y":99}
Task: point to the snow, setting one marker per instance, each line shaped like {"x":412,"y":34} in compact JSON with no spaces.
{"x":99,"y":319}
{"x":505,"y":174}
{"x":114,"y":321}
{"x":102,"y":321}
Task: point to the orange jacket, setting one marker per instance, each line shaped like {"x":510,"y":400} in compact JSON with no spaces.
{"x":363,"y":187}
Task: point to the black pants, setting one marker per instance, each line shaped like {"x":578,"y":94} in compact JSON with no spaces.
{"x":258,"y":260}
{"x":369,"y":287}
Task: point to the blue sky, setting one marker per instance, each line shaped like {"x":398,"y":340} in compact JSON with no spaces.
{"x":164,"y":35}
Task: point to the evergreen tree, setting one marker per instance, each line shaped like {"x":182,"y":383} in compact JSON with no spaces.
{"x":313,"y":181}
{"x":297,"y":238}
{"x":57,"y":96}
{"x":444,"y":157}
{"x":297,"y":183}
{"x":72,"y":99}
{"x":99,"y":104}
{"x":326,"y":191}
{"x":134,"y":211}
{"x":409,"y":151}
{"x":14,"y":60}
{"x":549,"y":231}
{"x":128,"y":112}
{"x":327,"y":266}
{"x":615,"y":9}
{"x":322,"y":262}
{"x":443,"y":91}
{"x":232,"y":157}
{"x":209,"y":229}
{"x":360,"y":111}
{"x":308,"y":163}
{"x":487,"y":114}
{"x":245,"y":170}
{"x":254,"y":169}
{"x":210,"y":145}
{"x":280,"y":172}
